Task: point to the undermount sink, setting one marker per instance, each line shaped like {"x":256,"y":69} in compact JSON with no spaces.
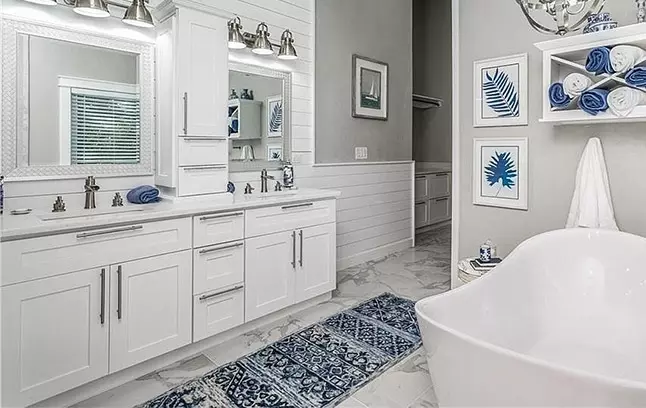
{"x":89,"y":213}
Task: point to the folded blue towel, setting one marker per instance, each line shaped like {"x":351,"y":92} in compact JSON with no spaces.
{"x":637,"y":77}
{"x":599,"y":61}
{"x":558,"y":97}
{"x":594,"y":101}
{"x":143,"y":195}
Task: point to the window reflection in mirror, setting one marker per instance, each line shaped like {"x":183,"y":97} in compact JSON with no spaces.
{"x":84,"y":104}
{"x":255,"y":117}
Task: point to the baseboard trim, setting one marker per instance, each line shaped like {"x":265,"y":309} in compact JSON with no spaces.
{"x":373,"y":254}
{"x":117,"y":379}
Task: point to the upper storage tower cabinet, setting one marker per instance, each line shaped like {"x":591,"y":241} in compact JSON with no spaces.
{"x":567,"y":55}
{"x":192,"y":84}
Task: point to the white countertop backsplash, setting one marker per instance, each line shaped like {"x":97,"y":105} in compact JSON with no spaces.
{"x":13,"y":227}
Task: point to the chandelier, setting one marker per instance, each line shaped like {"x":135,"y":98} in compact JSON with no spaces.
{"x":569,"y":15}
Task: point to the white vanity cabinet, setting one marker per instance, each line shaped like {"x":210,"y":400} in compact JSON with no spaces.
{"x":432,"y":198}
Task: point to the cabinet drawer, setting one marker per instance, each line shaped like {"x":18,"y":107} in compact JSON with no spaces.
{"x":439,"y":185}
{"x":203,"y":180}
{"x":421,"y":188}
{"x":217,"y":312}
{"x":269,"y":220}
{"x":421,"y":214}
{"x":439,"y":210}
{"x":217,"y":267}
{"x":210,"y":229}
{"x":35,"y":258}
{"x":196,"y":151}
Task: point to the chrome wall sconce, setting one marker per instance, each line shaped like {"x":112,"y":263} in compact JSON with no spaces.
{"x":259,"y":42}
{"x":569,"y":15}
{"x":137,"y":14}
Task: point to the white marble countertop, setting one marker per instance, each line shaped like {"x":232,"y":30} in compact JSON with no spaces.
{"x":422,"y":168}
{"x":13,"y":227}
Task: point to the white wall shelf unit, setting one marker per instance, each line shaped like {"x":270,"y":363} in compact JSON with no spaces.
{"x":567,"y":55}
{"x":244,"y":119}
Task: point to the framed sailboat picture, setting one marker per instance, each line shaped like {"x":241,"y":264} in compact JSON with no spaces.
{"x":369,"y":88}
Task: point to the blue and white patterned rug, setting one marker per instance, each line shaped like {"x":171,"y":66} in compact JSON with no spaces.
{"x":319,"y":366}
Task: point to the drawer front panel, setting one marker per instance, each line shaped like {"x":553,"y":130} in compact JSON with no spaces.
{"x":36,"y":258}
{"x":217,"y":267}
{"x":196,"y":151}
{"x":211,"y":229}
{"x":439,"y":185}
{"x":203,"y":180}
{"x":421,"y":214}
{"x":421,"y":188}
{"x":269,"y":220}
{"x":217,"y":312}
{"x":440,"y":210}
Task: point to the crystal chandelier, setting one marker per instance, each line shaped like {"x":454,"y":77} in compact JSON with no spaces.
{"x":569,"y":15}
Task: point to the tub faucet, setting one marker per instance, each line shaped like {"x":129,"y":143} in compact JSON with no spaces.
{"x":90,"y":189}
{"x":263,"y":180}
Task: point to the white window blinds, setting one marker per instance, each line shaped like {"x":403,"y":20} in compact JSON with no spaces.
{"x":104,"y":129}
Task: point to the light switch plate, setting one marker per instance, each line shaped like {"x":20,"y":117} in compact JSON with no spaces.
{"x":360,"y":153}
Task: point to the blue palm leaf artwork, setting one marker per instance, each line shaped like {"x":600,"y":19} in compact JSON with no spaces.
{"x":500,"y":94}
{"x":276,"y":120}
{"x":501,"y":169}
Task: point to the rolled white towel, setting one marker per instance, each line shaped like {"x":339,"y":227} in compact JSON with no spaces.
{"x":575,"y":84}
{"x":624,"y":57}
{"x":622,"y":101}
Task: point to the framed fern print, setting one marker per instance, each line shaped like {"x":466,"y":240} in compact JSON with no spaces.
{"x":275,"y":116}
{"x":500,"y":172}
{"x":500,"y":91}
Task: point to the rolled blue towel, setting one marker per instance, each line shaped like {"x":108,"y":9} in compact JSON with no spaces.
{"x":637,"y":77}
{"x":558,"y":97}
{"x":594,"y":101}
{"x":599,"y":61}
{"x":143,"y":195}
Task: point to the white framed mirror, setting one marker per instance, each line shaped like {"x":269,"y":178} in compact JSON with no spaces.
{"x":259,"y":117}
{"x":74,"y":104}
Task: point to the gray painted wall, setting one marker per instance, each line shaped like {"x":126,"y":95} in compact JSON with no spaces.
{"x":379,"y":29}
{"x":50,"y":58}
{"x":432,"y":74}
{"x":554,"y":152}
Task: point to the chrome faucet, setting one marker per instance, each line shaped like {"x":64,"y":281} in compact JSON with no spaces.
{"x":263,"y":180}
{"x":90,"y":189}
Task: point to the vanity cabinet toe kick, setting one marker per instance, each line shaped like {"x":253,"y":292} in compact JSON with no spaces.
{"x":110,"y":298}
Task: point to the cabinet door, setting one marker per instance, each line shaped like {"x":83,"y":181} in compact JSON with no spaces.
{"x":269,"y":273}
{"x":203,"y":74}
{"x":439,"y":185}
{"x":421,"y":214}
{"x":150,"y":311}
{"x":421,"y":188}
{"x":53,"y":337}
{"x":316,"y":270}
{"x":440,"y":210}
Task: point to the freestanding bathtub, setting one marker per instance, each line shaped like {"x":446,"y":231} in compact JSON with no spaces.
{"x":560,"y":322}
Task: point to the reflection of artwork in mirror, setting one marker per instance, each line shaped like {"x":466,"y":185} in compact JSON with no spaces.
{"x":274,"y":152}
{"x":91,"y":95}
{"x":275,"y":116}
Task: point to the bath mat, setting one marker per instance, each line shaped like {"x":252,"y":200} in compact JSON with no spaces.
{"x":319,"y":366}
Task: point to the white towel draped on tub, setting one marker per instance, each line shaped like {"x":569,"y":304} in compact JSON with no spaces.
{"x":625,"y":57}
{"x":592,"y":204}
{"x":622,"y":101}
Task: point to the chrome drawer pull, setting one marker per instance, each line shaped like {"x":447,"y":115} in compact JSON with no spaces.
{"x":185,"y":113}
{"x":221,"y":167}
{"x":224,"y":292}
{"x":114,"y":231}
{"x":294,"y":250}
{"x":289,"y":207}
{"x":119,"y":289}
{"x":102,"y":314}
{"x":439,"y":200}
{"x":441,"y":174}
{"x":301,"y":260}
{"x":220,"y":248}
{"x":217,"y":217}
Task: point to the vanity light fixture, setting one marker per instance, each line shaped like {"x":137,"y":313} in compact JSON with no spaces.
{"x":259,"y":42}
{"x":138,"y":15}
{"x":561,"y":11}
{"x":91,"y":8}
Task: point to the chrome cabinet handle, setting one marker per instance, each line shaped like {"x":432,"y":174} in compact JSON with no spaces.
{"x":224,"y":292}
{"x":185,"y":113}
{"x":102,"y":314}
{"x":112,"y":231}
{"x":220,"y":248}
{"x":289,"y":207}
{"x":196,"y":168}
{"x":441,"y":174}
{"x":219,"y":216}
{"x":294,"y":249}
{"x":119,"y":292}
{"x":439,"y":200}
{"x":301,"y":260}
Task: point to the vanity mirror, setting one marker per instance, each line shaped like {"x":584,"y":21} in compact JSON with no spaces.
{"x":258,"y":114}
{"x":74,"y":104}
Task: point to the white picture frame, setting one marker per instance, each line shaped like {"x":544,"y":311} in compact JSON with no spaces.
{"x":369,"y":88}
{"x":500,"y":91}
{"x":500,"y":172}
{"x":275,"y":116}
{"x":274,"y":152}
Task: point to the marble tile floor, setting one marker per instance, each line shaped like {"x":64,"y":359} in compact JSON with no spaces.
{"x":414,"y":273}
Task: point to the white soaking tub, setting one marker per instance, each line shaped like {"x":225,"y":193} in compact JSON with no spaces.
{"x":560,"y":322}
